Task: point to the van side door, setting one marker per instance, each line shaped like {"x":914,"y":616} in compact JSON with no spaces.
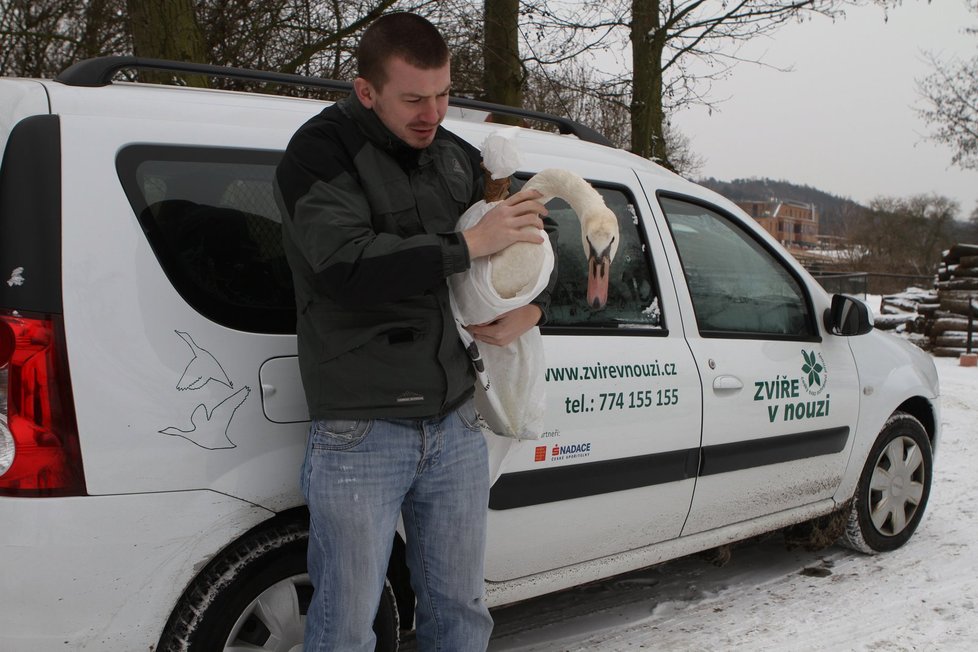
{"x":780,"y":399}
{"x":615,"y":466}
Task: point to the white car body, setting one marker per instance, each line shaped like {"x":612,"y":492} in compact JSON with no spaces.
{"x":653,"y":463}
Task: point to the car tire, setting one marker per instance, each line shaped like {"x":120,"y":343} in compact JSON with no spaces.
{"x":893,"y":488}
{"x":255,"y":595}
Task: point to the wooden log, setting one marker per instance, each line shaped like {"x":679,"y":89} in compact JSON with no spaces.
{"x":968,"y":261}
{"x":919,"y":341}
{"x":947,"y":351}
{"x":955,"y":253}
{"x":958,"y":295}
{"x":889,"y":322}
{"x":956,"y":339}
{"x":956,"y":271}
{"x":963,"y":283}
{"x":897,"y":308}
{"x":928,"y":309}
{"x":958,"y":307}
{"x":948,"y":324}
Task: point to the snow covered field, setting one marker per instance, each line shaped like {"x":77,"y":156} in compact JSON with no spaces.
{"x":920,"y":597}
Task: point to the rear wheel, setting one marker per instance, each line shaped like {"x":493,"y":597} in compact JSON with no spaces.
{"x":893,"y":487}
{"x":255,"y":596}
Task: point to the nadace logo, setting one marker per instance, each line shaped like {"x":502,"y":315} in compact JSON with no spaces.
{"x":562,"y":452}
{"x":570,"y":451}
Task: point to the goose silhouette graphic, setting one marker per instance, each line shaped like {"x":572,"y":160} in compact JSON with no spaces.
{"x":202,"y":368}
{"x":209,"y":428}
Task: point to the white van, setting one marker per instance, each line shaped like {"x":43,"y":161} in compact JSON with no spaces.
{"x":152,"y":422}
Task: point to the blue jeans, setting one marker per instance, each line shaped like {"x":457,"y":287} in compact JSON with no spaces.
{"x":358,"y":476}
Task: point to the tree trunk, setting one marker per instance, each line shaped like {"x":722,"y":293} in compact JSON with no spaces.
{"x":648,"y":43}
{"x":502,"y":70}
{"x":167,"y":29}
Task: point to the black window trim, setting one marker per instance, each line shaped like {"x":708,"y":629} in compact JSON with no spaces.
{"x":30,"y":214}
{"x":727,"y":215}
{"x":623,"y":330}
{"x":272,"y":320}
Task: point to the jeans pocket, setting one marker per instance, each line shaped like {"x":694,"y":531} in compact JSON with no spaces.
{"x":339,"y":434}
{"x":468,"y":416}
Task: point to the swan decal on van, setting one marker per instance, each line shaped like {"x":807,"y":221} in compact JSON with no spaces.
{"x":202,"y":368}
{"x":209,"y":426}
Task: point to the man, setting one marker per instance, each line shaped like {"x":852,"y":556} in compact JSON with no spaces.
{"x":372,"y":189}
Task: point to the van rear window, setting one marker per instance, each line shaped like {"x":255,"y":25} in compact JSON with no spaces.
{"x":212,"y":221}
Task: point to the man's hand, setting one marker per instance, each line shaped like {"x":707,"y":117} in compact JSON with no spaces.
{"x":507,"y":327}
{"x":507,"y":223}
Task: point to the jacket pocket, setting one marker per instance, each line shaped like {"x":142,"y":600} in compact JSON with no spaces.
{"x":395,"y":368}
{"x":456,"y":174}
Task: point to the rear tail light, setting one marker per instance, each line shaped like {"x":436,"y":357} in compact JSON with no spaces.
{"x":39,"y":450}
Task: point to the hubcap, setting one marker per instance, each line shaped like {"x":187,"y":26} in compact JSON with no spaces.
{"x":897,"y":486}
{"x":275,"y":620}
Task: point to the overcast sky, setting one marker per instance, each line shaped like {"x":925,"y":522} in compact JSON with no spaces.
{"x":843,"y":121}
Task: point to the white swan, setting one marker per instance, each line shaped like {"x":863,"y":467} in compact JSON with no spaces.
{"x":518,"y":266}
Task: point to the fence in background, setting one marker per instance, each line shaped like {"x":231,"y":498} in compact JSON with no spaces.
{"x":863,"y":283}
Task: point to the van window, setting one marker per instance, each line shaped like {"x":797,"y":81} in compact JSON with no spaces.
{"x":633,"y":302}
{"x":212,"y":221}
{"x":737,"y":286}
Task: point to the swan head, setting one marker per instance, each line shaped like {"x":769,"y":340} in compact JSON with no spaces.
{"x":600,"y":238}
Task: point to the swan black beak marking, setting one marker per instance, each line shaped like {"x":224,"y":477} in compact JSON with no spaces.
{"x":598,"y":270}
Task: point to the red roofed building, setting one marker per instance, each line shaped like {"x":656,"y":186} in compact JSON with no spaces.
{"x":792,"y":223}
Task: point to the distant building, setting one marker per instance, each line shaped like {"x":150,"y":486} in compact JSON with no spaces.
{"x":792,"y":223}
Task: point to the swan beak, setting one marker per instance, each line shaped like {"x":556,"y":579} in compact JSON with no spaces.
{"x":597,"y":281}
{"x":598,"y":271}
{"x":598,"y":268}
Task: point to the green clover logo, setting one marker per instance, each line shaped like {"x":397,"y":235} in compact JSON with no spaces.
{"x":812,"y":368}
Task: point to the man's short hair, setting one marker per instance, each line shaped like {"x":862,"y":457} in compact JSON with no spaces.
{"x":404,"y":35}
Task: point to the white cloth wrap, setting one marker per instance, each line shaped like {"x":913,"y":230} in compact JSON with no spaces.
{"x":509,"y":393}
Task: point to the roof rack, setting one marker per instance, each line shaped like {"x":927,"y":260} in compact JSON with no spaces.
{"x":100,"y":71}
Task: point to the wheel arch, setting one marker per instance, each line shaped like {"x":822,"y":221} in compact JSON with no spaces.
{"x":298,"y":517}
{"x":923,"y":410}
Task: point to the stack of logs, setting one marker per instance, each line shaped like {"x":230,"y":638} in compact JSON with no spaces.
{"x":957,"y":294}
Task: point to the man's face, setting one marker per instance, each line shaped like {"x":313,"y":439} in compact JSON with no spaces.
{"x":412,"y":103}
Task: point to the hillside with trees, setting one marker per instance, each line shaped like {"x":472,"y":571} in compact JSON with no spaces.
{"x":893,"y":235}
{"x":834,"y":212}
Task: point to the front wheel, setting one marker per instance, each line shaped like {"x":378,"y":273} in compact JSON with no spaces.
{"x":893,"y":487}
{"x":255,"y":596}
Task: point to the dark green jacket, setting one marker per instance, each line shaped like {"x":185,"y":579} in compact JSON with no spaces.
{"x":369,"y":232}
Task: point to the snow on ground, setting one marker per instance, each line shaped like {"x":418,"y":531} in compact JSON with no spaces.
{"x":920,"y":597}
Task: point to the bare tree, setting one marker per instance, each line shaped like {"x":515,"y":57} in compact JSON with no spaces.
{"x":167,"y":29}
{"x":905,"y":235}
{"x":502,"y":69}
{"x":39,"y":38}
{"x":312,"y":37}
{"x":666,"y":35}
{"x":951,"y":95}
{"x":665,"y":39}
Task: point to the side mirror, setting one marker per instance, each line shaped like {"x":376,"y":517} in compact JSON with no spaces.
{"x":848,"y":316}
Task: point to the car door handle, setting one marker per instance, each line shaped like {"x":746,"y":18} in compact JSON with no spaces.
{"x":727,"y":383}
